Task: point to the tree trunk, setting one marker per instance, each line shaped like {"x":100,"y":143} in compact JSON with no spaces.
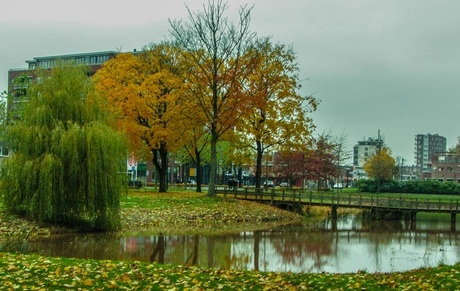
{"x":259,"y":164}
{"x":164,"y":166}
{"x":213,"y":170}
{"x":199,"y":173}
{"x":161,"y":165}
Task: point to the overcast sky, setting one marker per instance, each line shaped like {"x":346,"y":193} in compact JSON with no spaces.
{"x":392,"y":66}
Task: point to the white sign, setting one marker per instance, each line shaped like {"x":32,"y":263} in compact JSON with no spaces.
{"x":132,"y":163}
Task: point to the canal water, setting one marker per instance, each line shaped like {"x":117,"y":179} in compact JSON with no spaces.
{"x":349,"y":244}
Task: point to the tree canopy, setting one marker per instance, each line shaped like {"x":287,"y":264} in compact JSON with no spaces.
{"x":381,"y":167}
{"x":455,"y":149}
{"x":67,"y":160}
{"x":214,"y":48}
{"x":277,"y":115}
{"x":144,"y":92}
{"x":215,"y":81}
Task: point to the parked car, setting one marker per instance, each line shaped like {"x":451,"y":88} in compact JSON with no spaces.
{"x":268,"y":184}
{"x":337,"y":186}
{"x":284,"y":184}
{"x":191,"y":182}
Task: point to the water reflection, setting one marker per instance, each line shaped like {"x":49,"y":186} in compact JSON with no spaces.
{"x":346,"y":245}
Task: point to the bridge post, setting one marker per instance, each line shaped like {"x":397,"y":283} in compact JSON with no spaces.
{"x":453,"y":219}
{"x":334,"y":211}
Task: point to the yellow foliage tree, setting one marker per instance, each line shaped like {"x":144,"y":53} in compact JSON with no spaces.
{"x":381,"y":167}
{"x":146,"y":96}
{"x":277,"y":115}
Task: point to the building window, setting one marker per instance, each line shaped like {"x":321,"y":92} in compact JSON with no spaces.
{"x":98,"y":59}
{"x":102,"y":59}
{"x":47,"y":64}
{"x":80,"y":60}
{"x":4,"y":151}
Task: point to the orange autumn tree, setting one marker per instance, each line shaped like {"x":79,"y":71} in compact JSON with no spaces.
{"x":277,"y":117}
{"x":147,"y":99}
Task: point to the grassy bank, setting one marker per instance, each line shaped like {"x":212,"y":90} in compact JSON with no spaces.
{"x":191,"y":213}
{"x":175,"y":213}
{"x":31,"y":272}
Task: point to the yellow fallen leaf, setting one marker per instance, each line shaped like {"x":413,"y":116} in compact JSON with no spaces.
{"x":125,"y":278}
{"x":88,"y":282}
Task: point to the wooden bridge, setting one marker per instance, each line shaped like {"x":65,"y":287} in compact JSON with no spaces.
{"x":293,"y":199}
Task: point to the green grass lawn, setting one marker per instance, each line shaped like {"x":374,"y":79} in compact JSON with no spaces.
{"x":355,"y":193}
{"x":154,"y":200}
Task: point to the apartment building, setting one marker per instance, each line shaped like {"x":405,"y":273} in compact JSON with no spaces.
{"x":425,"y":146}
{"x":361,"y":152}
{"x":445,"y":166}
{"x":18,"y":79}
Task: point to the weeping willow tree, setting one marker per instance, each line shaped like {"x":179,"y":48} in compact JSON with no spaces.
{"x":67,"y":161}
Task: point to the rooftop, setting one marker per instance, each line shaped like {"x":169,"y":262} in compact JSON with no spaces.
{"x":72,"y":56}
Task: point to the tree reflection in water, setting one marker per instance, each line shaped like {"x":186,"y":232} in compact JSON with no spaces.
{"x":331,"y":246}
{"x":159,"y":250}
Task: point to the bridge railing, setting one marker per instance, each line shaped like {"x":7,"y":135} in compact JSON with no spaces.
{"x":342,"y":199}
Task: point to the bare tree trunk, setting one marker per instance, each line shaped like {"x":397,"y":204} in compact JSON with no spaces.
{"x":199,"y":172}
{"x":259,"y":164}
{"x":213,"y":170}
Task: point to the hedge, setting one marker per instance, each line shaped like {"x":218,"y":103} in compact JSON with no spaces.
{"x":415,"y":187}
